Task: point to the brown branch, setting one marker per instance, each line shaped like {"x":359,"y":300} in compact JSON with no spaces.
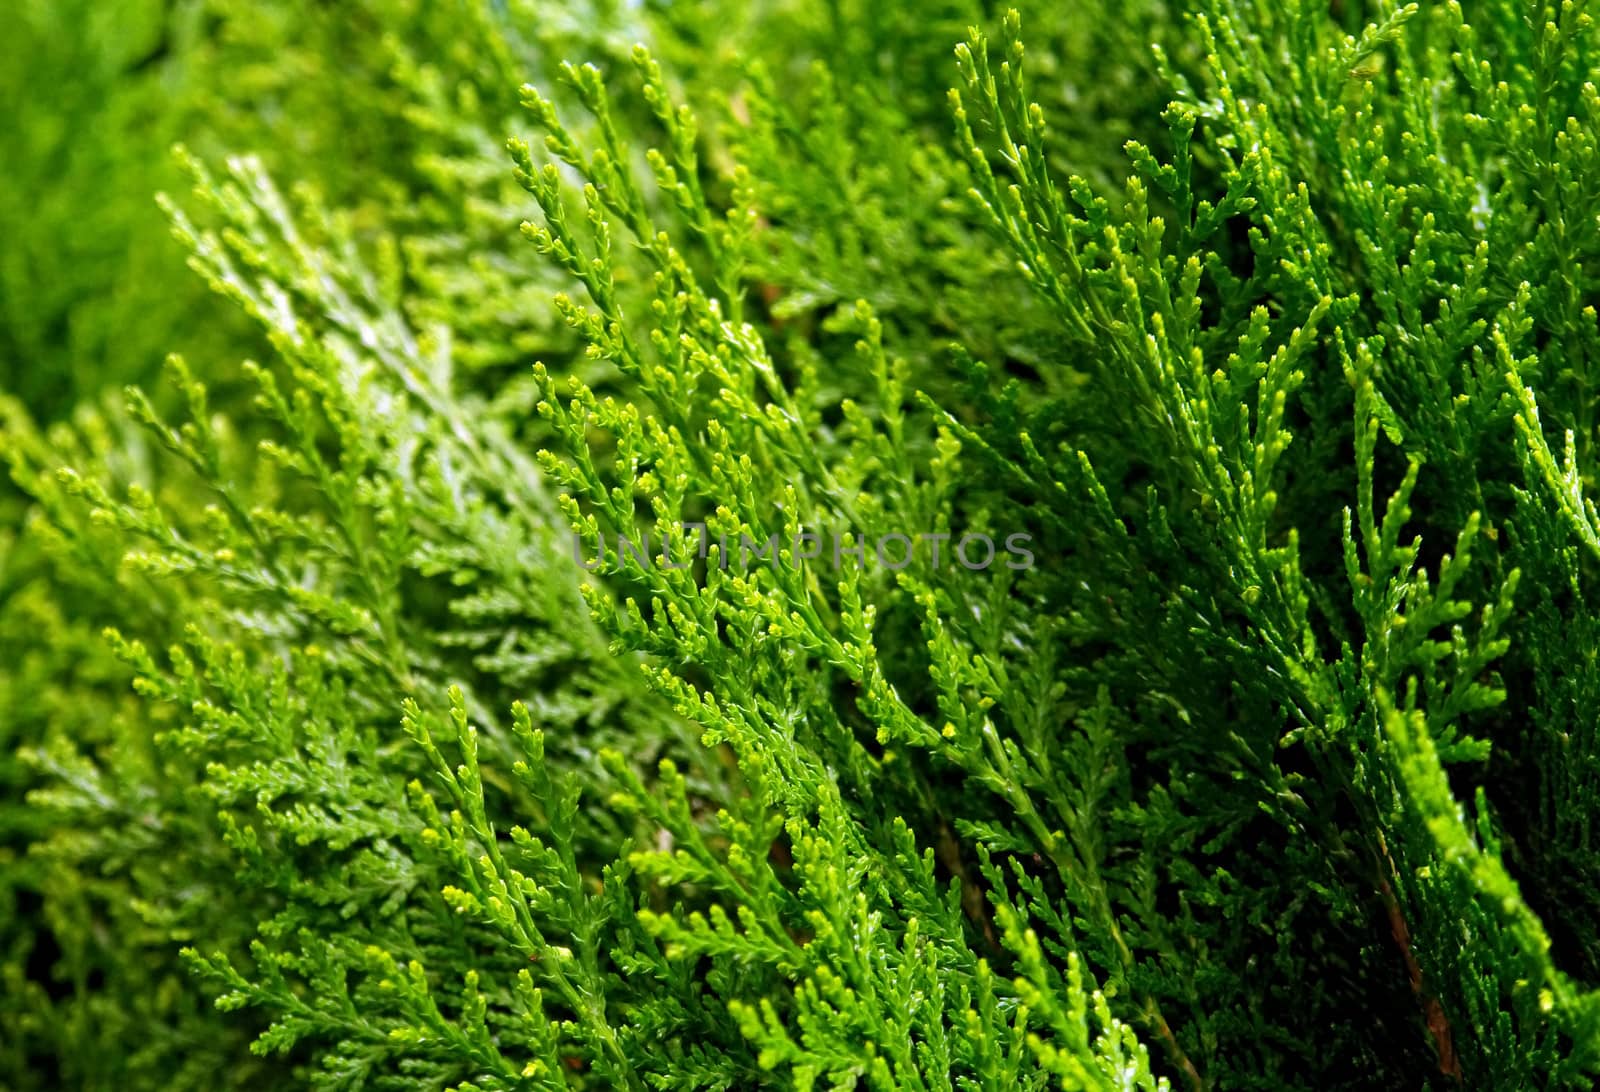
{"x":1433,"y":1012}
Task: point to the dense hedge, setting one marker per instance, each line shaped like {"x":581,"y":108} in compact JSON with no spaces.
{"x":924,"y":563}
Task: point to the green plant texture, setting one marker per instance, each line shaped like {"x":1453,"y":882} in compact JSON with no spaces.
{"x":744,"y":544}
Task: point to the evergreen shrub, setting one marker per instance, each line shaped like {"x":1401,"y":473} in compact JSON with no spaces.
{"x":954,"y":549}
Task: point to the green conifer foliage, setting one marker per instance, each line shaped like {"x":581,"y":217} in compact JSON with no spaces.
{"x":953,"y":550}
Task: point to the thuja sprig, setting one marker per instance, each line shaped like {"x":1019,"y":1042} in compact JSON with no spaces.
{"x":526,"y":907}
